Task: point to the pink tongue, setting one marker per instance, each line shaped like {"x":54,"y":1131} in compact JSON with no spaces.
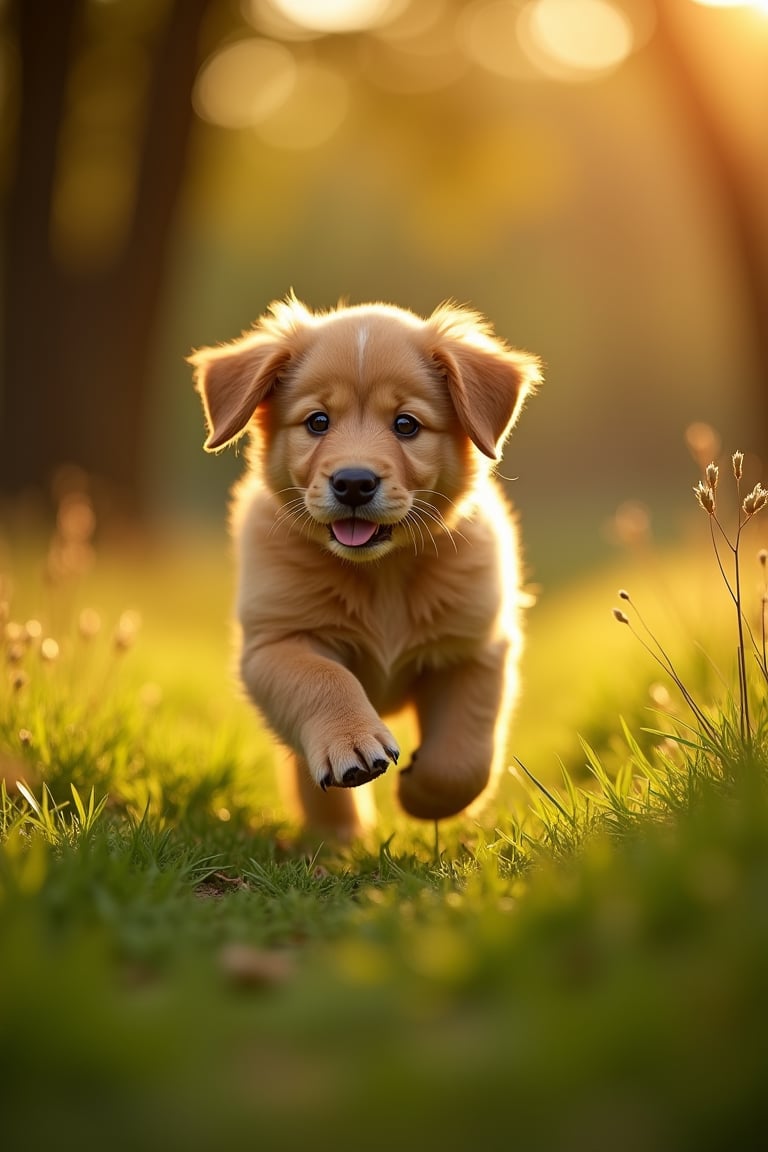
{"x":353,"y":533}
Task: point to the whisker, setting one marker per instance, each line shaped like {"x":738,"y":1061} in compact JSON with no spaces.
{"x":434,"y":514}
{"x":420,"y":522}
{"x":435,"y":510}
{"x":294,"y":514}
{"x":430,"y":533}
{"x":409,"y":529}
{"x":416,"y":524}
{"x":289,"y":508}
{"x":304,"y":523}
{"x":432,"y":507}
{"x":293,"y":503}
{"x":434,"y":492}
{"x":288,"y":514}
{"x":452,"y":532}
{"x":290,"y":488}
{"x":421,"y":515}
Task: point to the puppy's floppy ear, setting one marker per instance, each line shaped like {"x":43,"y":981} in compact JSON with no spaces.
{"x":487,"y":380}
{"x":233,"y":380}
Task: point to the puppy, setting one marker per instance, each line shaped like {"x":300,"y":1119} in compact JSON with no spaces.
{"x":378,"y":560}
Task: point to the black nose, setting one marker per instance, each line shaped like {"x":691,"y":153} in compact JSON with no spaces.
{"x":354,"y":486}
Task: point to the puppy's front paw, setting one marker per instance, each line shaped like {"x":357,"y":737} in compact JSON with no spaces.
{"x":349,"y":760}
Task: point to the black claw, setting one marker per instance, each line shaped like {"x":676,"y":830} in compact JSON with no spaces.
{"x":393,"y":754}
{"x":358,"y":774}
{"x":355,"y":776}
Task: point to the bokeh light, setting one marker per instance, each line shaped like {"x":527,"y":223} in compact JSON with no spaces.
{"x":576,"y":39}
{"x":335,"y":15}
{"x":267,"y":20}
{"x":259,"y":84}
{"x":244,"y":83}
{"x":759,"y":5}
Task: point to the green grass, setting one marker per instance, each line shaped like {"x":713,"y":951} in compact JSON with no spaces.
{"x":584,"y":967}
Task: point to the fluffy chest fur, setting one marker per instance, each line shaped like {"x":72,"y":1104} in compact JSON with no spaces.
{"x":389,"y":620}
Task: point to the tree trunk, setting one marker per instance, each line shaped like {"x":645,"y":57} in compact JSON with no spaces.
{"x":32,"y":392}
{"x":78,"y":344}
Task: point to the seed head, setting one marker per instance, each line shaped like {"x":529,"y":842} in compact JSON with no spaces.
{"x":620,"y":616}
{"x":713,"y":472}
{"x":623,"y":594}
{"x":755,"y":500}
{"x":762,"y":556}
{"x":705,"y":497}
{"x":738,"y":461}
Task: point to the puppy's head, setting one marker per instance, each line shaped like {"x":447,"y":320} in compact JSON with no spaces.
{"x":371,"y":424}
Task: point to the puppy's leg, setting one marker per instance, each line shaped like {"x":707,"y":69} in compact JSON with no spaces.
{"x":319,"y":709}
{"x":463,"y":713}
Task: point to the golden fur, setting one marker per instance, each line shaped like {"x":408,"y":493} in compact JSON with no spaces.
{"x":371,"y":420}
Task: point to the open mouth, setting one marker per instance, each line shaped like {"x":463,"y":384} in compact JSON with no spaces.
{"x":354,"y":533}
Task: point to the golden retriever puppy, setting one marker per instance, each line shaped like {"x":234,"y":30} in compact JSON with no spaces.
{"x":378,"y":560}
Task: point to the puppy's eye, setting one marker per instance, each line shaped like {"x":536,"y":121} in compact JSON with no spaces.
{"x":318,"y":423}
{"x":406,"y":425}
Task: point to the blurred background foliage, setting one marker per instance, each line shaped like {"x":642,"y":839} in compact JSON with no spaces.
{"x":591,"y":174}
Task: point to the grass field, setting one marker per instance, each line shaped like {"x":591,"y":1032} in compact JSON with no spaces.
{"x":582,"y":967}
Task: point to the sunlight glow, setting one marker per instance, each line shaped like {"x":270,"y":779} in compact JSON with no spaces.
{"x":758,"y":5}
{"x":335,"y":15}
{"x":576,"y":39}
{"x":314,"y":111}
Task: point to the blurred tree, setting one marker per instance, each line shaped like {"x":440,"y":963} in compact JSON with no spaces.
{"x":78,"y":331}
{"x":743,"y":202}
{"x":102,"y":115}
